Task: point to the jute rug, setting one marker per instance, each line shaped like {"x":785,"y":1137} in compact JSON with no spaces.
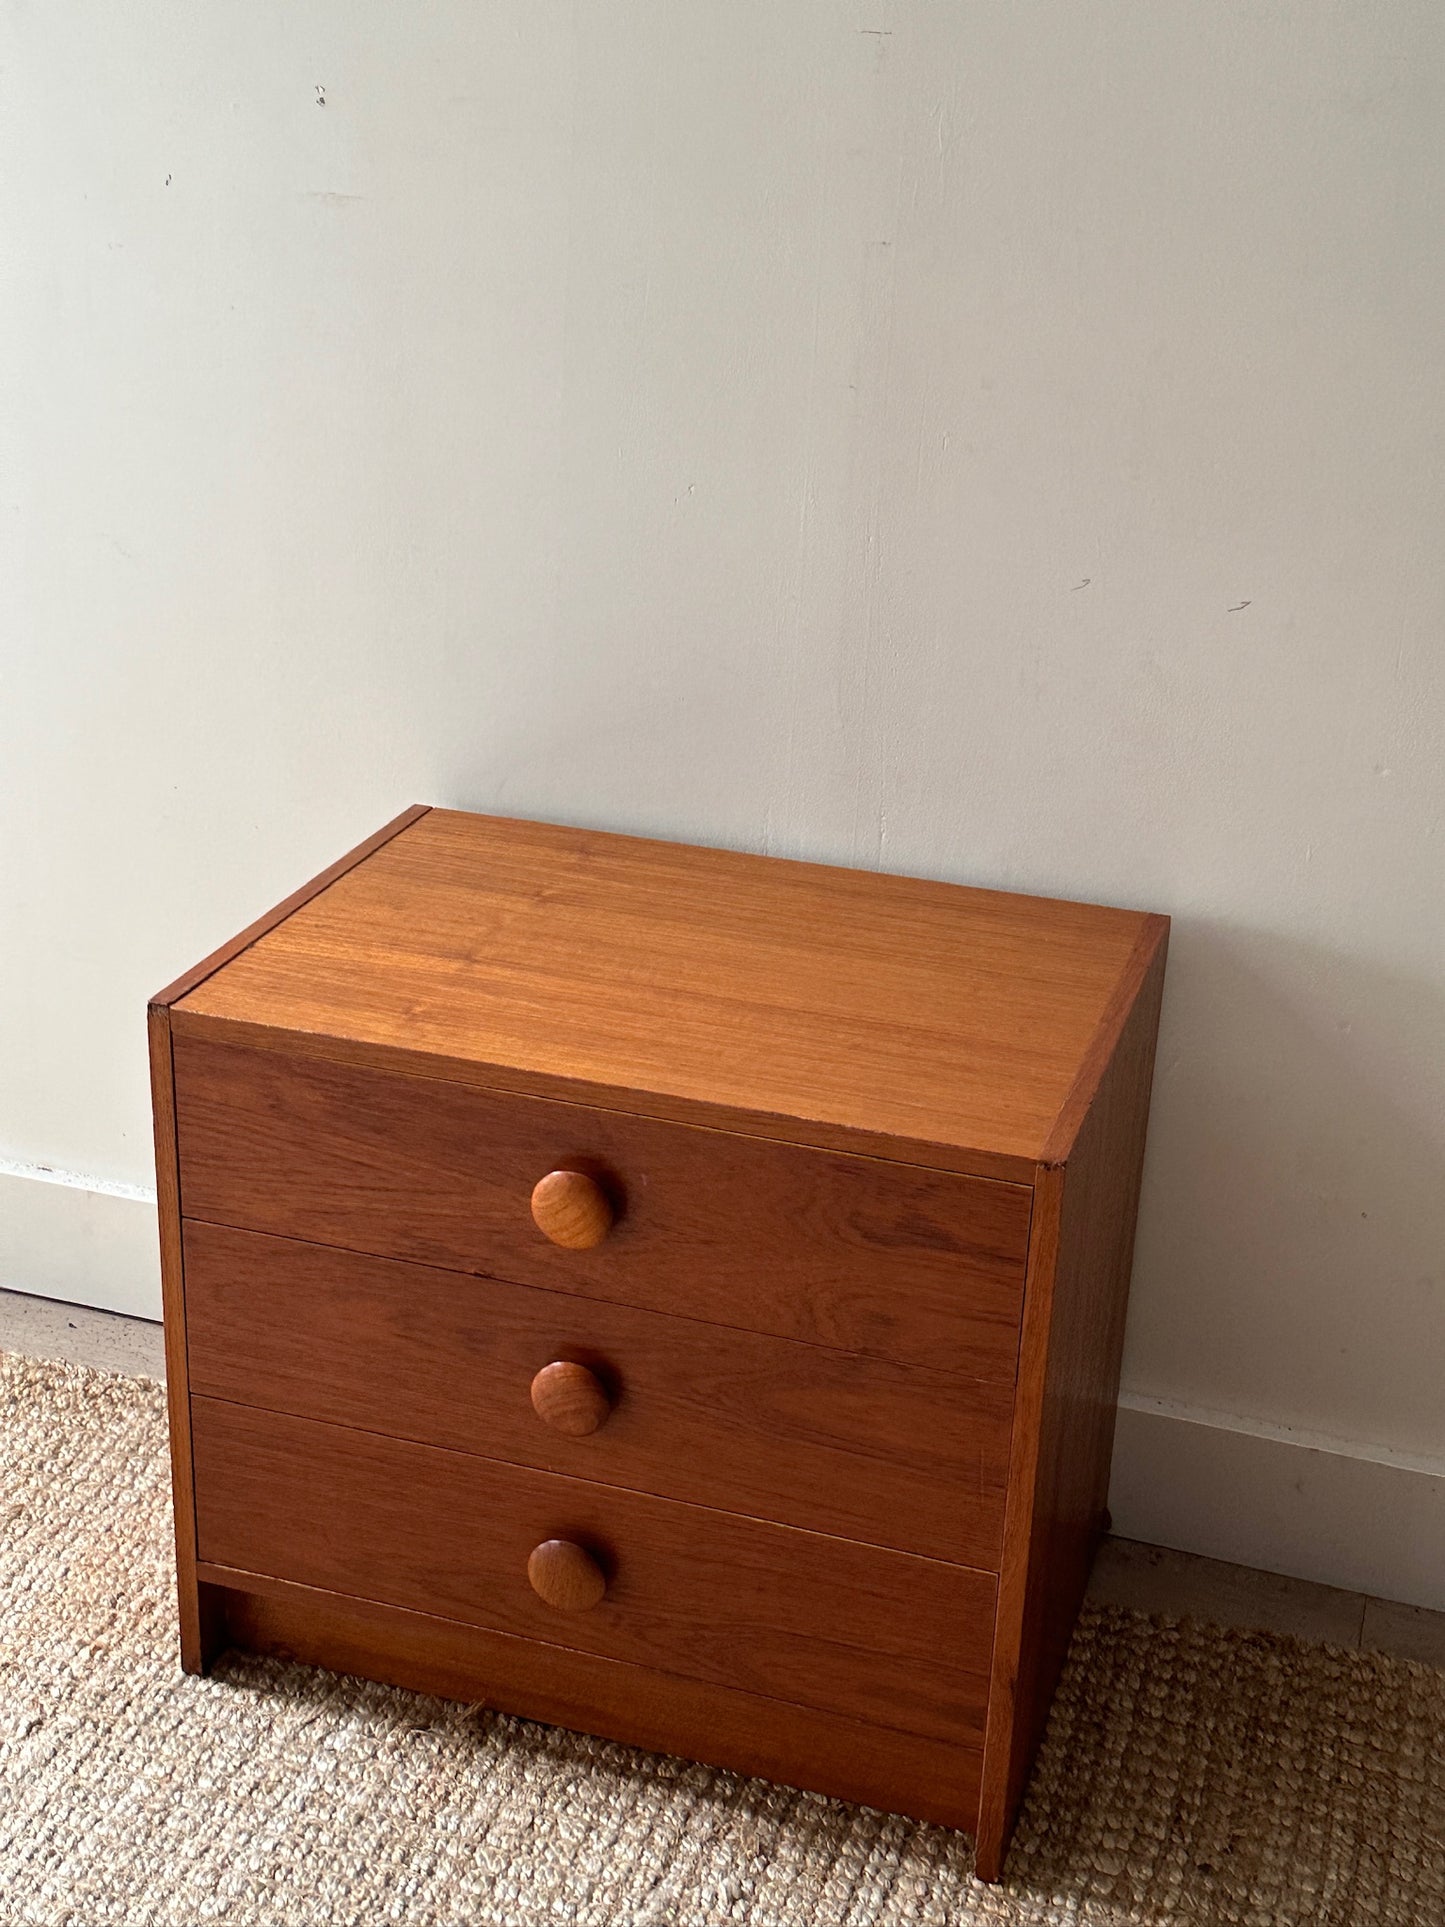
{"x":1190,"y":1774}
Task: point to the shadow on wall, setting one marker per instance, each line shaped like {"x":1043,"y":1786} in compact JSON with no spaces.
{"x":1292,"y":1237}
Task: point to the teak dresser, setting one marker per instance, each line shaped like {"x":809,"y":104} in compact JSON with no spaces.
{"x":666,"y":1292}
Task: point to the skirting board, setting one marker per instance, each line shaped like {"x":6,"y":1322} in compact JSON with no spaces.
{"x":1199,"y":1481}
{"x":86,"y":1244}
{"x":1329,"y":1510}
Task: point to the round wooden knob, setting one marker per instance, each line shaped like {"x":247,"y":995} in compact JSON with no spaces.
{"x":565,"y":1575}
{"x":570,"y":1399}
{"x":571,"y":1209}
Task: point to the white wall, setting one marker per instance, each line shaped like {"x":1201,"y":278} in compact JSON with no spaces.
{"x":1000,"y":442}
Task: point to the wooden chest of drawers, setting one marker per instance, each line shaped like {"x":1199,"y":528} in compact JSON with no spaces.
{"x":666,"y":1292}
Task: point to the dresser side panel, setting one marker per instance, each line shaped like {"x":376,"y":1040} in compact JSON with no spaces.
{"x":199,"y":1629}
{"x":1075,"y":1302}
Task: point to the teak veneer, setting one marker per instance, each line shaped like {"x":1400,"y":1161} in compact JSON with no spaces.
{"x":669,"y":1292}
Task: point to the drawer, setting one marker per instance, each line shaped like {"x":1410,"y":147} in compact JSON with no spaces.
{"x":899,"y":1455}
{"x":882,"y":1636}
{"x":853,"y":1253}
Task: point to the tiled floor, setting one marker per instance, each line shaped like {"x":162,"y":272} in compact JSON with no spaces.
{"x":1152,"y":1579}
{"x":41,"y":1328}
{"x":1149,"y":1578}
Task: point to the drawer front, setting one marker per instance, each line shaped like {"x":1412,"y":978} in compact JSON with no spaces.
{"x":797,"y":1616}
{"x":853,"y":1253}
{"x":835,"y":1441}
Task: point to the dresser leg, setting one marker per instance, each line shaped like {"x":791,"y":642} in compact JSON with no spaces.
{"x":990,"y":1850}
{"x":203,"y":1623}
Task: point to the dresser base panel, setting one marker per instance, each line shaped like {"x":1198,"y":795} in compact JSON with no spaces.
{"x":821,"y":1752}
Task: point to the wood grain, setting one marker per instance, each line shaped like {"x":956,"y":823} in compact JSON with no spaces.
{"x":879,"y":1636}
{"x":832,"y":1116}
{"x":227,"y":953}
{"x":969,"y":1162}
{"x":910,"y":1457}
{"x":636,"y":973}
{"x":1073,"y":1335}
{"x":892,"y":1259}
{"x":199,"y":1624}
{"x":571,"y":1209}
{"x":1145,"y":962}
{"x":566,"y":1576}
{"x":570,"y":1397}
{"x":199,"y":1628}
{"x":897,"y":1772}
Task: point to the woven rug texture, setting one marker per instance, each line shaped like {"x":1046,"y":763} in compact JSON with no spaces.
{"x":1190,"y":1774}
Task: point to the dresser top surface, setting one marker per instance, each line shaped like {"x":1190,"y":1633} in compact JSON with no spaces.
{"x":653,"y":976}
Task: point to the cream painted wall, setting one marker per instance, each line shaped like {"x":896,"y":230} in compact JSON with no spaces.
{"x":998,"y":442}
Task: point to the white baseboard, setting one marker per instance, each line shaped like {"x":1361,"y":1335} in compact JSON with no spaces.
{"x":79,"y":1240}
{"x":1331,"y":1510}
